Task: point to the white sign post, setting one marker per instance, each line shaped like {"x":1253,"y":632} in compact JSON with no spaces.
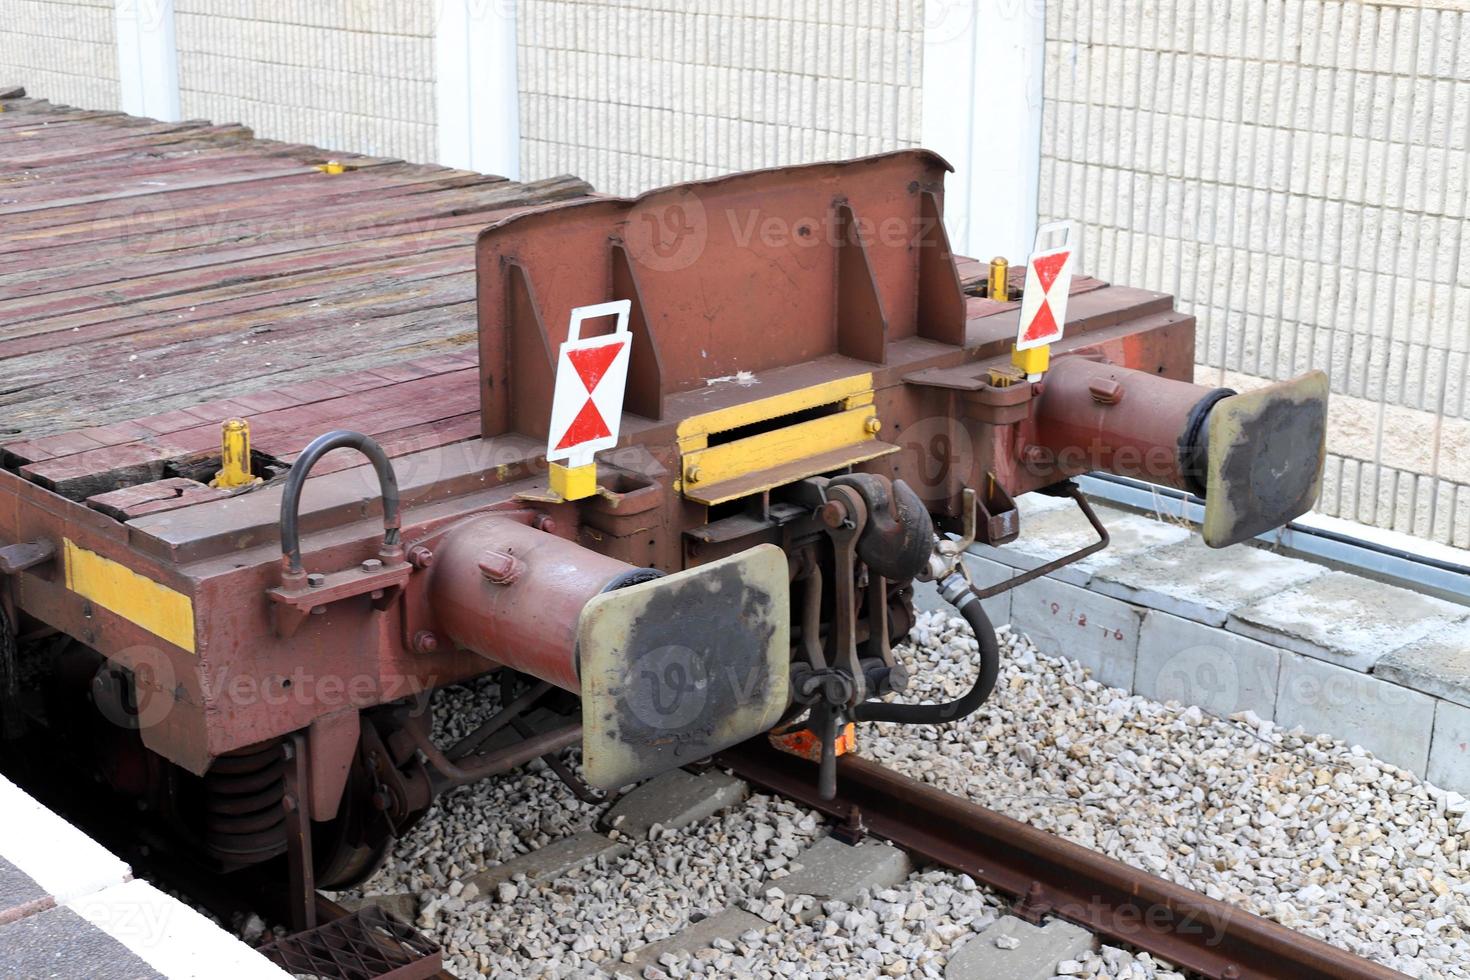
{"x":1044,"y":299}
{"x":587,"y":405}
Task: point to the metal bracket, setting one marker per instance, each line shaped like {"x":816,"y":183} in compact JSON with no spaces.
{"x":295,"y":801}
{"x":16,"y":558}
{"x":1065,"y":489}
{"x":384,"y":583}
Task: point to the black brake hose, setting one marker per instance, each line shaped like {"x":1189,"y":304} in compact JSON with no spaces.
{"x":957,"y":592}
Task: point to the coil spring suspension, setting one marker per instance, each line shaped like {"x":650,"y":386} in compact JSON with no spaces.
{"x":244,"y":821}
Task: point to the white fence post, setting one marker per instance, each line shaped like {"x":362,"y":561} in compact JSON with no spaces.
{"x":982,"y":111}
{"x":147,"y":58}
{"x":476,"y":87}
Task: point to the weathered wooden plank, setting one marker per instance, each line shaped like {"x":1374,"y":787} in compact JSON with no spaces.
{"x":278,"y":433}
{"x":156,"y":278}
{"x":147,"y":236}
{"x":151,"y":498}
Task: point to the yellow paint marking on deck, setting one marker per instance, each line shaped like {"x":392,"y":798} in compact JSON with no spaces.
{"x":136,"y":598}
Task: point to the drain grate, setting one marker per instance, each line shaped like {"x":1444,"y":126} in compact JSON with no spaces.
{"x":369,"y":944}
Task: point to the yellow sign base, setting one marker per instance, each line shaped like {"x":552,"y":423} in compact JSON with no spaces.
{"x":573,"y":482}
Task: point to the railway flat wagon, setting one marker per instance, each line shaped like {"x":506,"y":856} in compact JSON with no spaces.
{"x":290,"y":440}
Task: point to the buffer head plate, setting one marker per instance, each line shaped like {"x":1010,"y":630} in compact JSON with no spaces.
{"x":677,"y":668}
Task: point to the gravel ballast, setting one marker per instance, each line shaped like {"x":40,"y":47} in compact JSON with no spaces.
{"x":1314,"y":834}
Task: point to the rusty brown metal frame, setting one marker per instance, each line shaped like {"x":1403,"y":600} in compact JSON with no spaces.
{"x":847,"y":303}
{"x":861,"y":258}
{"x":1053,"y":876}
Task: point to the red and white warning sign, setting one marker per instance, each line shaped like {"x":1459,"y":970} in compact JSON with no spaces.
{"x":587,"y":406}
{"x":1048,"y":281}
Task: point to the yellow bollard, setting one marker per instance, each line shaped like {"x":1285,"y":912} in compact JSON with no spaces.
{"x":234,"y":456}
{"x":998,"y":289}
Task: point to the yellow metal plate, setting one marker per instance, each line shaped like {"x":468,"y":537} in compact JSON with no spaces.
{"x":846,"y":430}
{"x":855,"y":390}
{"x":777,"y":447}
{"x":136,"y":598}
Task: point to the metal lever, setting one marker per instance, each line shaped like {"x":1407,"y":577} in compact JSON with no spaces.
{"x":1064,"y":489}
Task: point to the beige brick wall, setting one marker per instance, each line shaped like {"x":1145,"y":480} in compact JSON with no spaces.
{"x":1297,"y":174}
{"x":343,"y":74}
{"x":62,"y":50}
{"x":638,"y":94}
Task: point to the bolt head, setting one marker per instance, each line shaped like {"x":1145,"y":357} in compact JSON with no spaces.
{"x":873,"y":425}
{"x":424,"y":641}
{"x":500,"y":568}
{"x":692,"y":475}
{"x":420,"y":557}
{"x":372,"y":565}
{"x":316,"y":580}
{"x":833,"y":513}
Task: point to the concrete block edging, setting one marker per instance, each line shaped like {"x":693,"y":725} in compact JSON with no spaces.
{"x":1246,"y":629}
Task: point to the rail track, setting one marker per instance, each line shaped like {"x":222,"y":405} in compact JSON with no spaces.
{"x":1047,"y":875}
{"x":1050,"y":875}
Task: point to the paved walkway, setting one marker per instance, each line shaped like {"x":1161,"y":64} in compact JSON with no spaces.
{"x":69,"y":908}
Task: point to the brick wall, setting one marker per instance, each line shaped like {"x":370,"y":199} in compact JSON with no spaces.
{"x":62,"y":50}
{"x":1297,"y":174}
{"x":352,"y":74}
{"x":635,"y":95}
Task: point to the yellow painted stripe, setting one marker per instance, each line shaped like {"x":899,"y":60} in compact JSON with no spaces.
{"x":747,"y":413}
{"x":779,"y":447}
{"x":136,"y":598}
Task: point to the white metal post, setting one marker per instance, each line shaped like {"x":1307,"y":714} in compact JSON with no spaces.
{"x":982,"y":112}
{"x":147,"y":58}
{"x":476,"y":86}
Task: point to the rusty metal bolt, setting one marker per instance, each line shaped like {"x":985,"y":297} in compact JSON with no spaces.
{"x":500,"y":568}
{"x":873,"y":425}
{"x":1105,"y":391}
{"x":371,"y":565}
{"x":833,"y":513}
{"x":544,"y":522}
{"x":424,"y":641}
{"x":692,"y":474}
{"x":316,"y":580}
{"x":420,"y":557}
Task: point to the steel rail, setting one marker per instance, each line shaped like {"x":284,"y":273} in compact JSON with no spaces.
{"x":1054,"y":876}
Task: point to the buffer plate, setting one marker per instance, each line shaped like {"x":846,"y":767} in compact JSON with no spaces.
{"x":1266,"y":452}
{"x":683,"y":666}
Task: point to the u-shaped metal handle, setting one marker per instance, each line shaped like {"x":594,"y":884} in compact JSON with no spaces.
{"x":296,"y":479}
